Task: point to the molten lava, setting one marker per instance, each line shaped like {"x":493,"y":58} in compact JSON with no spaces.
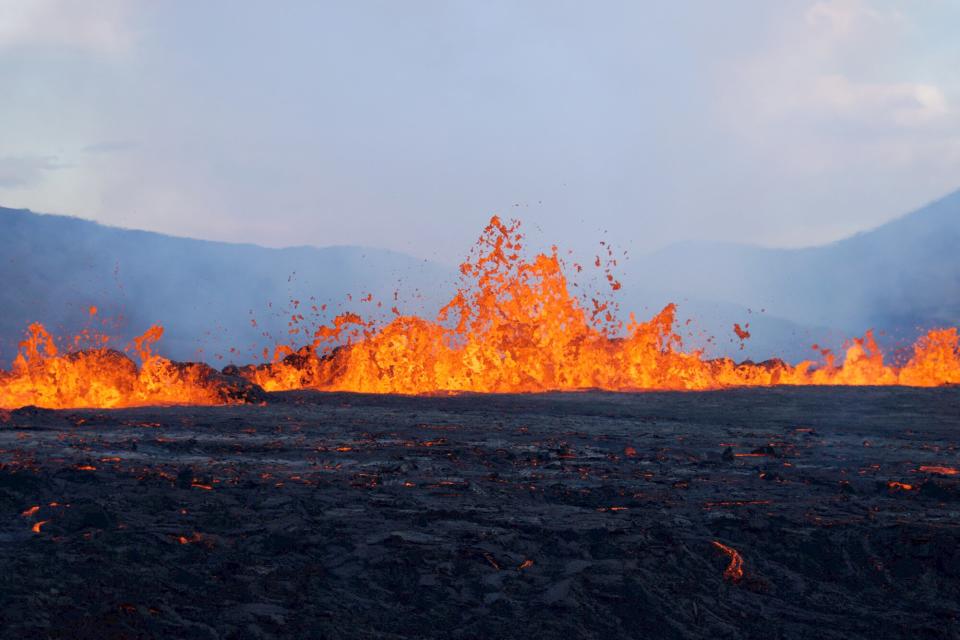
{"x":519,"y":329}
{"x":734,"y":570}
{"x":943,"y":471}
{"x":513,"y":326}
{"x":102,"y":377}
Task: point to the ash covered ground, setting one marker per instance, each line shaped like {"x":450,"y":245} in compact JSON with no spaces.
{"x":586,"y":515}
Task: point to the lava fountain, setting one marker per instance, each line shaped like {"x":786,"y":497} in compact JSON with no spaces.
{"x":98,"y":376}
{"x":517,"y":328}
{"x":513,"y":326}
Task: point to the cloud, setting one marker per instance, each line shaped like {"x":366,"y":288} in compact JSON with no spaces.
{"x":841,"y":33}
{"x":102,"y":26}
{"x":26,"y":171}
{"x":843,"y":18}
{"x":897,"y":104}
{"x":837,"y":73}
{"x":110,"y":146}
{"x":843,"y":114}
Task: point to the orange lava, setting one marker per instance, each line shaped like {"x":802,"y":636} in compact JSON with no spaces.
{"x":943,"y":471}
{"x":517,"y":328}
{"x":734,"y":570}
{"x":99,"y":377}
{"x":196,"y":537}
{"x":513,"y":326}
{"x":742,"y":333}
{"x":900,"y":485}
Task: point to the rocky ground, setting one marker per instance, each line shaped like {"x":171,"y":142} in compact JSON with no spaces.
{"x":761,"y":513}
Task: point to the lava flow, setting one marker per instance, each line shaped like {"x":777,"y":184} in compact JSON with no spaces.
{"x":101,"y":377}
{"x":513,"y":326}
{"x":734,"y":570}
{"x":518,"y":329}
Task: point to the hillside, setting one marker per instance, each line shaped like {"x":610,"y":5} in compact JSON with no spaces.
{"x":205,"y":294}
{"x":895,"y":278}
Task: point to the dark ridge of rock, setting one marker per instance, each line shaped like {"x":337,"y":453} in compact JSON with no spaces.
{"x":230,"y":388}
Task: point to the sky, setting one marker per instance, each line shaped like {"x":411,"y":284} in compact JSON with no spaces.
{"x":405,"y":125}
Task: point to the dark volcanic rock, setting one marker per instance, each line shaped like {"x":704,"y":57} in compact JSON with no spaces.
{"x":739,"y":514}
{"x":229,"y":385}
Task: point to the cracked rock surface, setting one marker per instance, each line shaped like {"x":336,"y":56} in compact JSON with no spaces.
{"x":583,"y":515}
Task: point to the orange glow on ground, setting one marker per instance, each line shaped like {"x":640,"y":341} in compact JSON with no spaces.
{"x":734,"y":570}
{"x":943,"y":471}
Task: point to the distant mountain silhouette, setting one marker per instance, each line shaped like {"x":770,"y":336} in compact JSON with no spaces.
{"x":897,"y":278}
{"x":204,"y":293}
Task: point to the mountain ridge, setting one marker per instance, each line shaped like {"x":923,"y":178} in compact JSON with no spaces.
{"x":205,"y":293}
{"x":900,"y":277}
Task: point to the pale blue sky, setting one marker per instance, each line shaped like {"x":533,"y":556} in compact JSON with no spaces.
{"x":406,"y":124}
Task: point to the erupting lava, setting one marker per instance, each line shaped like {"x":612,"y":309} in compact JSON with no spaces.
{"x":513,"y":326}
{"x":102,"y":377}
{"x":520,"y":330}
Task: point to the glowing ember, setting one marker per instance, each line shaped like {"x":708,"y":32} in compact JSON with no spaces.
{"x":29,"y":512}
{"x":742,"y":333}
{"x":513,"y":326}
{"x":943,"y":471}
{"x":195,"y":538}
{"x":36,"y":526}
{"x":734,"y":570}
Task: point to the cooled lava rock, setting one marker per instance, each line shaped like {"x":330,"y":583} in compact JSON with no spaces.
{"x":738,"y":514}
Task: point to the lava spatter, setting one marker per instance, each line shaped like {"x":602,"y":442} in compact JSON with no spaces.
{"x":512,"y":327}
